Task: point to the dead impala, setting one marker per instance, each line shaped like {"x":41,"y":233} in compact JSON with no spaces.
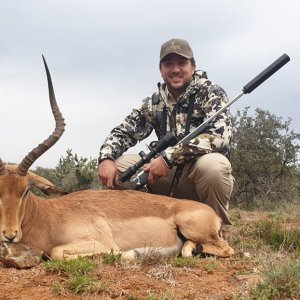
{"x":96,"y":221}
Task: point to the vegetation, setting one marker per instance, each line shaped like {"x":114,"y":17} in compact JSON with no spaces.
{"x":273,"y":241}
{"x":79,"y":276}
{"x":191,"y":262}
{"x":111,"y":258}
{"x":264,"y":156}
{"x":73,"y":173}
{"x":276,"y":231}
{"x":281,"y":281}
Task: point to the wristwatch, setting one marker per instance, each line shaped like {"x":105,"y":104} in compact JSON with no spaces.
{"x":166,"y":160}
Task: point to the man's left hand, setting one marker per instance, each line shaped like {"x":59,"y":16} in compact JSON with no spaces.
{"x":157,"y":168}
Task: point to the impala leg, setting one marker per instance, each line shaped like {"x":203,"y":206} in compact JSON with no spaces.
{"x":218,"y":247}
{"x":201,"y":226}
{"x":188,"y":248}
{"x":82,"y":247}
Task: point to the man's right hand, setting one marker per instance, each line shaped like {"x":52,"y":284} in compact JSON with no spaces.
{"x":108,"y":173}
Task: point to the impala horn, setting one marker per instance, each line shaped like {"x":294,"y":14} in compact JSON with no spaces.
{"x":2,"y":167}
{"x":52,"y":139}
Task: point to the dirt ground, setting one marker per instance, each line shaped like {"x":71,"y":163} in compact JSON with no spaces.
{"x":211,"y":279}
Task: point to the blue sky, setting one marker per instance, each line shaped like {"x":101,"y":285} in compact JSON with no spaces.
{"x":103,"y":57}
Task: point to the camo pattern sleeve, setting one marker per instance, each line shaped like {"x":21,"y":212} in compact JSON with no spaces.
{"x":209,"y":99}
{"x":135,"y":127}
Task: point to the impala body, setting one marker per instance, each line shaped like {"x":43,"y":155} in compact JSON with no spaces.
{"x":96,"y":221}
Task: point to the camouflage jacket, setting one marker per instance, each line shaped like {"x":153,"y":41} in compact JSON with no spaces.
{"x":159,"y":113}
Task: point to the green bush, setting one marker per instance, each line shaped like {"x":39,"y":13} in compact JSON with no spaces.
{"x":264,"y":156}
{"x":73,"y":173}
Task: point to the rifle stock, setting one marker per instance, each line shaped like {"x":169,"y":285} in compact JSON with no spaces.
{"x":169,"y":140}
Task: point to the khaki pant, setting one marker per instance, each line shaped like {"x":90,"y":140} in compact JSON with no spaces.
{"x":208,"y":180}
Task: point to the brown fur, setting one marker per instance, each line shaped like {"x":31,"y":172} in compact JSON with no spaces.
{"x":95,"y":221}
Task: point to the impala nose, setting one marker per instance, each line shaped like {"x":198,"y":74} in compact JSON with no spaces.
{"x":10,"y":236}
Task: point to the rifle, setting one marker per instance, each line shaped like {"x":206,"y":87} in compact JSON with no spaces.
{"x":169,"y":139}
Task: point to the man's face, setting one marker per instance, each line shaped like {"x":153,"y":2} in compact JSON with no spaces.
{"x":177,"y":72}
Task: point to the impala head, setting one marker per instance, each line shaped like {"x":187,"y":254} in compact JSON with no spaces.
{"x":16,"y":180}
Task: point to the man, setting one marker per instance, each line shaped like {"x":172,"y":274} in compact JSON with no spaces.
{"x":198,"y":169}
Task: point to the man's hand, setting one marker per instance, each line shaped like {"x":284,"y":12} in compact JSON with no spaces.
{"x":157,"y":168}
{"x":108,"y":173}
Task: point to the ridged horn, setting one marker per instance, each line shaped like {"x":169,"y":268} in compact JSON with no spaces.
{"x":53,"y":138}
{"x":2,"y":167}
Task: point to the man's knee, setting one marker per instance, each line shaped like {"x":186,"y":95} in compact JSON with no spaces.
{"x":214,"y":169}
{"x":127,"y":160}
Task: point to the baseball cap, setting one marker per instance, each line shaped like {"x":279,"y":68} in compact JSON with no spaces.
{"x":178,"y":46}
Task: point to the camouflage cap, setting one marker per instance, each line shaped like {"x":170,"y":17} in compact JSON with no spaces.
{"x":178,"y":46}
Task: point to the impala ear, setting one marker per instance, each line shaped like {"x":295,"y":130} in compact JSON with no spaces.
{"x":44,"y":185}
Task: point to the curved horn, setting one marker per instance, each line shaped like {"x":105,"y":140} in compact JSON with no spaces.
{"x":2,"y":167}
{"x":53,"y":138}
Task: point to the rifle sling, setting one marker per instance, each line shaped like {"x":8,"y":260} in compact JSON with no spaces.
{"x":189,"y":114}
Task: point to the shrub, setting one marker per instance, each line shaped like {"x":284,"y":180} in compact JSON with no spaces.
{"x":264,"y":156}
{"x":73,"y":173}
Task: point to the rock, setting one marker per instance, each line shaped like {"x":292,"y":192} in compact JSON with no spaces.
{"x":247,"y":254}
{"x":19,"y":255}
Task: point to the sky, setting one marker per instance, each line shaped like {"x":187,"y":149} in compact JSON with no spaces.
{"x":103,"y":57}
